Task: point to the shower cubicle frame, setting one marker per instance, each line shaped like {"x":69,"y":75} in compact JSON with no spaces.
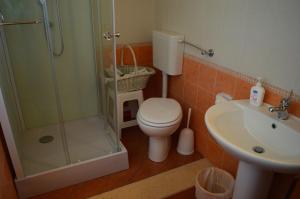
{"x":46,"y":181}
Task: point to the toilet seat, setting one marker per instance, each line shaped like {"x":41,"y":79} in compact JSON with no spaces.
{"x":155,"y":125}
{"x":160,"y":112}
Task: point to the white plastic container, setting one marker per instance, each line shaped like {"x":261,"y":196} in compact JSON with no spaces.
{"x":257,"y":93}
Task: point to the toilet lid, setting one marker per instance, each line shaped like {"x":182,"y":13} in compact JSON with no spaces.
{"x":160,"y":110}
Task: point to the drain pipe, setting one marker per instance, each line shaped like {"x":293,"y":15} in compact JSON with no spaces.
{"x":164,"y":85}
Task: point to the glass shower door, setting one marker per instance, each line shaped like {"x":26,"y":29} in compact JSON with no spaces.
{"x":86,"y":88}
{"x":32,"y":81}
{"x":105,"y":39}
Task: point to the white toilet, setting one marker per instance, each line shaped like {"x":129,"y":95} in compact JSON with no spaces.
{"x":159,"y":118}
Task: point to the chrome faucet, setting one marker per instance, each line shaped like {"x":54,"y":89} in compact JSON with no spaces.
{"x":281,"y":110}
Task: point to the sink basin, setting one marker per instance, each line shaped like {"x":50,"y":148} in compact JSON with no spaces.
{"x":255,"y":136}
{"x":239,"y":127}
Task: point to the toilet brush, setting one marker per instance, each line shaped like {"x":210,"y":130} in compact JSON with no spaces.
{"x":186,"y":138}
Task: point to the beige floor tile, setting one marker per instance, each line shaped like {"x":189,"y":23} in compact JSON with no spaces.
{"x":161,"y":185}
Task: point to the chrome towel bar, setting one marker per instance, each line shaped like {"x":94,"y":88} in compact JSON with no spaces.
{"x":209,"y":52}
{"x":37,"y":21}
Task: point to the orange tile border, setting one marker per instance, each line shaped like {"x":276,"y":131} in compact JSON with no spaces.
{"x":249,"y":79}
{"x":190,"y":71}
{"x":295,"y":108}
{"x":215,"y":152}
{"x":190,"y":94}
{"x":230,"y":163}
{"x":204,"y":100}
{"x":207,"y":77}
{"x":176,"y":86}
{"x":225,"y":82}
{"x":242,"y":90}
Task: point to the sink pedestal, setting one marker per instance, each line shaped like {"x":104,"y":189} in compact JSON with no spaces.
{"x":252,"y":182}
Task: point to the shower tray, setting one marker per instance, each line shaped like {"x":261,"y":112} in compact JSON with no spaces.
{"x":72,"y":174}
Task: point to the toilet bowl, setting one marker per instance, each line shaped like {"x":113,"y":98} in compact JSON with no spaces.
{"x":159,"y":118}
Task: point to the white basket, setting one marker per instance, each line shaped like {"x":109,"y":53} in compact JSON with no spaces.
{"x":130,"y":77}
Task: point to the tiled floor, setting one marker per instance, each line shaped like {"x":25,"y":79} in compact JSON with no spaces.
{"x":163,"y":185}
{"x":86,"y":139}
{"x":140,"y":167}
{"x":187,"y":194}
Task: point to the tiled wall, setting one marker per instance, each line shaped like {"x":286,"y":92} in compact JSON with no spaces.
{"x":197,"y":88}
{"x":7,"y":188}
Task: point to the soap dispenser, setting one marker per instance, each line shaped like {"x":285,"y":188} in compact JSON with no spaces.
{"x":257,"y":93}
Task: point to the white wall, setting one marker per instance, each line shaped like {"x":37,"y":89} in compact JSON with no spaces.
{"x":255,"y":37}
{"x":135,"y":20}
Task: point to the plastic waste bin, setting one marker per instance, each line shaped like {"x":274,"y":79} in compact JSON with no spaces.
{"x":214,"y":183}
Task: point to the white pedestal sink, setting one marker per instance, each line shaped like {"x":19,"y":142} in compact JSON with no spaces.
{"x":261,"y":142}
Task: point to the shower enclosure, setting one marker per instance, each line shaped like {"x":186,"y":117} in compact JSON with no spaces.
{"x":58,"y":106}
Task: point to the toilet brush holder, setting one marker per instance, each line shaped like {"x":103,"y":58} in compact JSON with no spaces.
{"x":186,"y":139}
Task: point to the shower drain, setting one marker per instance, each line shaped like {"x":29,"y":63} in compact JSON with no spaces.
{"x":46,"y":139}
